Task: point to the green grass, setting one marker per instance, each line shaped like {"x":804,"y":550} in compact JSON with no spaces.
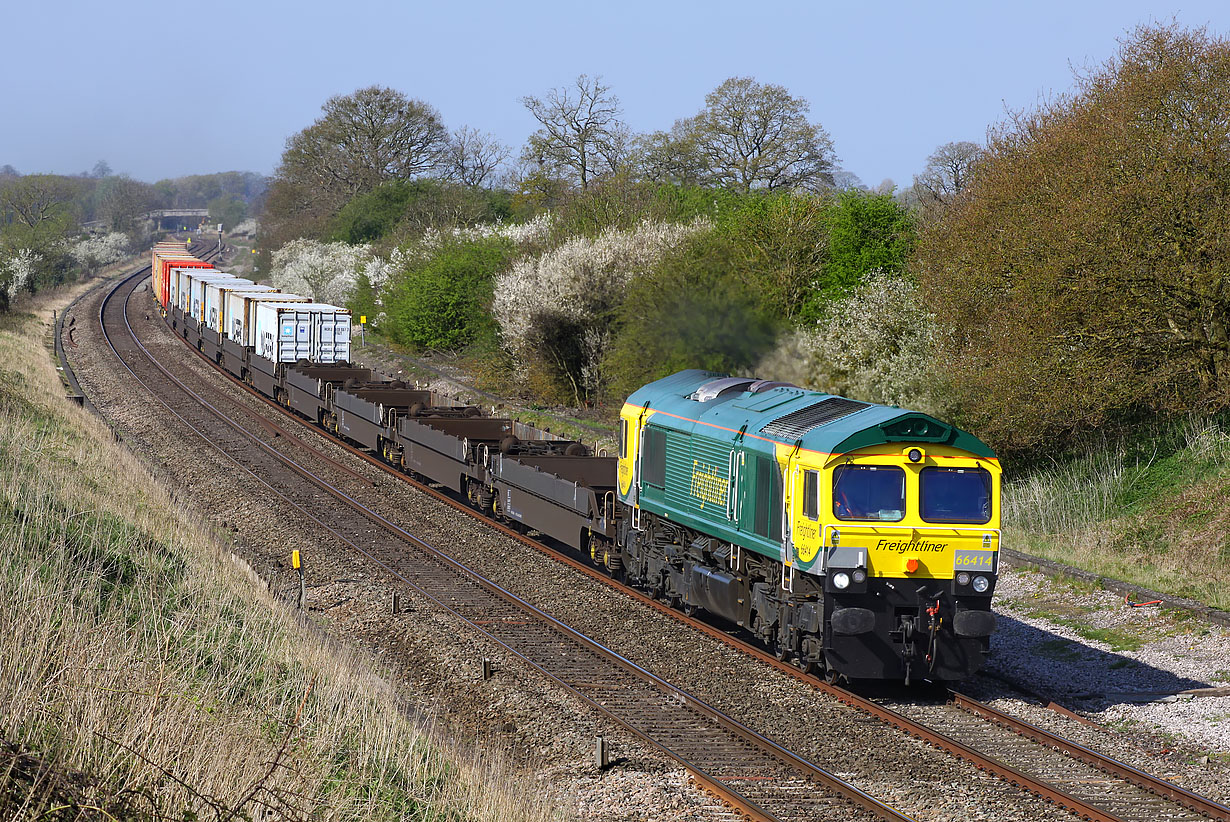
{"x":1150,"y":510}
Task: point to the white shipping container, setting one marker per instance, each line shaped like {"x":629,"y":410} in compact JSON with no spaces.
{"x":233,"y":309}
{"x":179,"y":287}
{"x":197,"y":283}
{"x":215,"y":299}
{"x":288,"y":332}
{"x":241,"y":312}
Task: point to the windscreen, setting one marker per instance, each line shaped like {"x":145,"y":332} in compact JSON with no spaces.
{"x":869,"y":492}
{"x":956,"y":495}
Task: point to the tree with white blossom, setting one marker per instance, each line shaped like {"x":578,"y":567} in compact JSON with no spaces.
{"x":17,"y":270}
{"x":560,"y":305}
{"x":323,"y":271}
{"x":876,"y":343}
{"x":93,"y":253}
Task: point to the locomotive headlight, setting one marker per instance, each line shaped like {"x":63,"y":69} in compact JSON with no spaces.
{"x":841,"y":580}
{"x":981,"y":584}
{"x":915,"y":455}
{"x":860,"y":576}
{"x":963,"y":578}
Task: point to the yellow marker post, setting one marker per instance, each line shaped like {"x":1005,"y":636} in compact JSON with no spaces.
{"x":363,"y":331}
{"x":298,"y":566}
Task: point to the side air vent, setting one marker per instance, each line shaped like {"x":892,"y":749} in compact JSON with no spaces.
{"x":797,"y":423}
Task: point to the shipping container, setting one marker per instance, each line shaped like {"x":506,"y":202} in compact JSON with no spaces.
{"x":241,"y":312}
{"x":231,"y":323}
{"x":289,"y":332}
{"x":214,"y":311}
{"x":178,"y":291}
{"x":162,"y":265}
{"x":198,"y":283}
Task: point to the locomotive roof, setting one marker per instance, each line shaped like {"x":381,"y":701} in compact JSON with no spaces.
{"x":771,"y":412}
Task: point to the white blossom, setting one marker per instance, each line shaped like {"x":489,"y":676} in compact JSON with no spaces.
{"x":95,"y":252}
{"x":325,"y":272}
{"x":17,"y":271}
{"x":246,"y":228}
{"x":876,"y":343}
{"x":581,"y":283}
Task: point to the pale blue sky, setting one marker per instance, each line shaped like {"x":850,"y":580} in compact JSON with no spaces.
{"x":166,"y":89}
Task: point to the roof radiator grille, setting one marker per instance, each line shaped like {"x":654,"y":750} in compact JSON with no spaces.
{"x":797,"y":423}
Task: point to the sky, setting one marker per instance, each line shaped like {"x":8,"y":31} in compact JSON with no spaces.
{"x":163,"y":90}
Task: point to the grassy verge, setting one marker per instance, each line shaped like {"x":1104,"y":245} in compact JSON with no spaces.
{"x":144,"y":675}
{"x":1151,"y":511}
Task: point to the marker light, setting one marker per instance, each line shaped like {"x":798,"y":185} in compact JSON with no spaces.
{"x":963,"y":578}
{"x":981,"y":584}
{"x":911,"y":565}
{"x":841,"y":580}
{"x":860,"y":576}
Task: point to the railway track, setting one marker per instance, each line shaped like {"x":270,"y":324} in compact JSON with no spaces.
{"x":1089,"y":784}
{"x":755,"y":775}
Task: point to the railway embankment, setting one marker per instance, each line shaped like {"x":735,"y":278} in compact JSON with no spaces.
{"x":145,"y":673}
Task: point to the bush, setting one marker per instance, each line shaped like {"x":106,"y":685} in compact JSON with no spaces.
{"x":689,"y":311}
{"x":408,"y":206}
{"x":877,"y":343}
{"x":555,"y":310}
{"x":439,"y":301}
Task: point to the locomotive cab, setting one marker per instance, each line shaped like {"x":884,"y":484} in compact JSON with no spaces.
{"x":906,"y":538}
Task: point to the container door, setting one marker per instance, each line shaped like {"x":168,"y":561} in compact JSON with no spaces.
{"x":341,"y":338}
{"x":303,"y":337}
{"x":324,"y":348}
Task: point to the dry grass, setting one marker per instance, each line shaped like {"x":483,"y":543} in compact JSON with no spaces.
{"x":143,"y":675}
{"x":1152,"y":512}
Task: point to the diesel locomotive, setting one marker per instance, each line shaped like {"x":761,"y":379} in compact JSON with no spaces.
{"x":859,"y":541}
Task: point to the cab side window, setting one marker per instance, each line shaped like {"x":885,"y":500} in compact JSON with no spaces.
{"x":811,"y":495}
{"x":653,"y":460}
{"x":623,"y":439}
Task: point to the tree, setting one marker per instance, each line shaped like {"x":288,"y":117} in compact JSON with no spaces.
{"x":439,"y":301}
{"x":119,"y":200}
{"x":866,"y":232}
{"x":363,"y":139}
{"x":581,"y":134}
{"x":690,"y":310}
{"x":752,"y":135}
{"x":101,"y":169}
{"x":947,"y":173}
{"x":228,"y":210}
{"x":1081,"y":274}
{"x":474,"y":157}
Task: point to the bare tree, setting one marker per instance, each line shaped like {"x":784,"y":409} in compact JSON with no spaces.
{"x":752,"y":135}
{"x":581,"y":133}
{"x":947,"y":172}
{"x":366,"y":138}
{"x":474,"y":156}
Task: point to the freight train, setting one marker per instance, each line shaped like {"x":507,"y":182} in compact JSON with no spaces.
{"x":858,"y":541}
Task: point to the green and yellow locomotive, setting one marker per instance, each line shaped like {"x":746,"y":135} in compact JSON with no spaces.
{"x":858,"y":540}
